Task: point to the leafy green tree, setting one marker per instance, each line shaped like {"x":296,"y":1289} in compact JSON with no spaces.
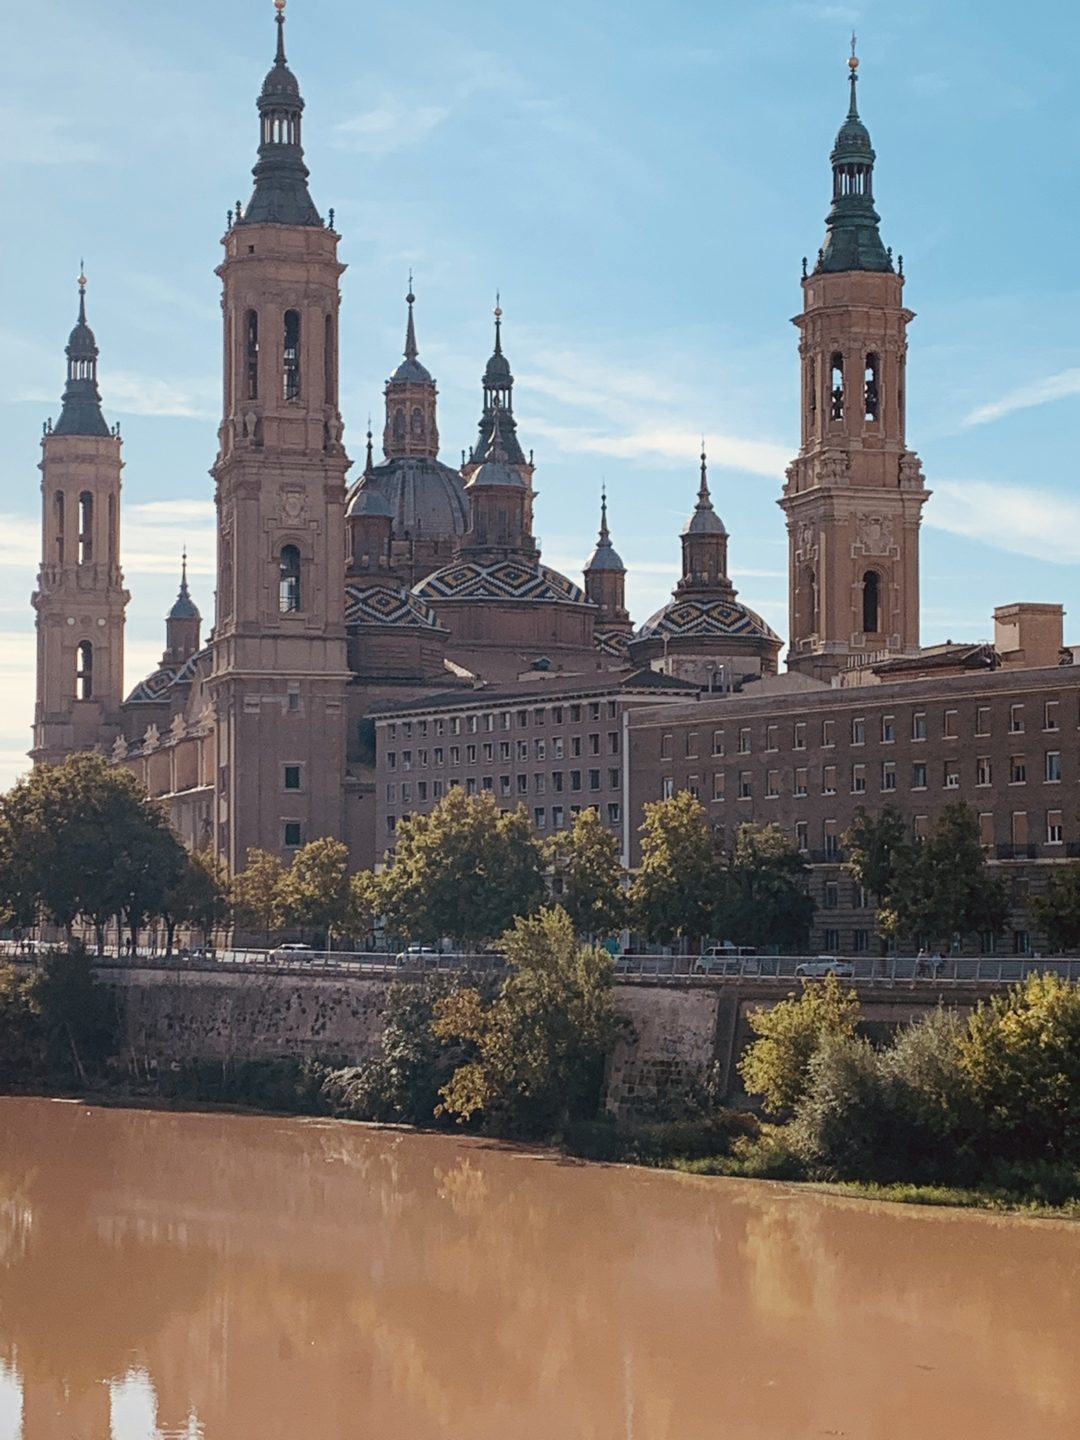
{"x":942,"y":886}
{"x":586,"y":860}
{"x":1022,"y":1054}
{"x":21,"y":1042}
{"x":199,"y":897}
{"x":79,"y":1023}
{"x":255,"y":891}
{"x":84,"y":839}
{"x":314,"y":893}
{"x":677,"y":886}
{"x":873,"y":844}
{"x":1057,"y":911}
{"x":363,"y":903}
{"x":542,"y":1044}
{"x":466,"y":870}
{"x":776,"y":1065}
{"x":764,"y":900}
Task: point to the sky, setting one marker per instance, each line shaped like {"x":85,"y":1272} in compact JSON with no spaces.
{"x":639,"y":180}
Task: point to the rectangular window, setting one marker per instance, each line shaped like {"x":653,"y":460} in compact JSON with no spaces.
{"x":472,"y":724}
{"x":613,"y":813}
{"x":436,"y":789}
{"x":918,"y":725}
{"x":858,"y":731}
{"x":772,"y":737}
{"x":470,"y":785}
{"x":828,"y":780}
{"x":523,"y":784}
{"x":391,"y":793}
{"x":540,"y":819}
{"x":718,"y":785}
{"x":744,"y":740}
{"x":1016,"y":719}
{"x":1053,"y":767}
{"x":831,"y":838}
{"x":888,"y":775}
{"x":800,"y":735}
{"x":888,"y":729}
{"x":691,"y":744}
{"x":982,"y":720}
{"x":455,"y":725}
{"x":594,"y":779}
{"x":1017,"y":770}
{"x":504,"y":785}
{"x":406,"y":792}
{"x":800,"y":782}
{"x":470,"y":755}
{"x":1019,"y":827}
{"x":832,"y":895}
{"x":693,"y":786}
{"x":293,"y":836}
{"x":521,"y":749}
{"x":575,"y":714}
{"x":984,"y":771}
{"x":858,"y":779}
{"x":557,"y":781}
{"x":575,"y":744}
{"x":439,"y":755}
{"x":440,"y":727}
{"x":718,"y":742}
{"x":292,"y":777}
{"x":746,"y":784}
{"x":612,"y":709}
{"x":594,"y":743}
{"x":557,"y":817}
{"x":832,"y":941}
{"x":406,"y":757}
{"x":421,"y":790}
{"x":613,"y":742}
{"x":391,"y":823}
{"x":828,"y":734}
{"x":1055,"y":830}
{"x":613,"y":779}
{"x":488,"y":751}
{"x":294,"y":701}
{"x":422,"y":757}
{"x":391,"y":759}
{"x":950,"y":726}
{"x":489,"y":724}
{"x":1050,"y":715}
{"x":918,"y":776}
{"x":539,"y":749}
{"x":455,"y":754}
{"x":920,"y":826}
{"x":505,"y":720}
{"x":558,"y":747}
{"x":665,"y":747}
{"x":802,"y":836}
{"x":667,"y":787}
{"x":575,"y":780}
{"x":538,"y":716}
{"x":522,"y":719}
{"x":860,"y":941}
{"x":504,"y":750}
{"x":986,"y":828}
{"x":539,"y":784}
{"x":772,"y":784}
{"x":950,"y":775}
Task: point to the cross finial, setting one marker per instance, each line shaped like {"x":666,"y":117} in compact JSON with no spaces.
{"x":279,"y":6}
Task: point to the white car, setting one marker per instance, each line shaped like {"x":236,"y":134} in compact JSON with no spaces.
{"x":416,"y":955}
{"x":292,"y":952}
{"x":826,"y":965}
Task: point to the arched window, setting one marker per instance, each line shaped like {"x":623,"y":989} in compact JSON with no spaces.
{"x":289,"y":583}
{"x":86,"y":528}
{"x":58,"y":512}
{"x":251,"y":353}
{"x":871,"y":390}
{"x":399,"y":424}
{"x":871,"y":603}
{"x":329,"y":366}
{"x":291,"y":358}
{"x":836,"y":386}
{"x":417,"y":422}
{"x":84,"y":671}
{"x":807,"y":600}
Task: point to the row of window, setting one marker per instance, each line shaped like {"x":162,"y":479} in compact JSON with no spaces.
{"x":557,"y":781}
{"x":543,"y":819}
{"x":475,"y":723}
{"x":291,"y":387}
{"x":1020,"y":832}
{"x":556,"y":749}
{"x":825,"y":731}
{"x":886,"y":775}
{"x":84,"y":533}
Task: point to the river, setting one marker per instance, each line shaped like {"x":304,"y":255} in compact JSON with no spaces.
{"x":247,"y":1278}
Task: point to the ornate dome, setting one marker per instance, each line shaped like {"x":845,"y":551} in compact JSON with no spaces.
{"x":426,"y":498}
{"x":504,"y":580}
{"x":704,"y":617}
{"x":369,"y":500}
{"x":381,"y":603}
{"x":154,"y":690}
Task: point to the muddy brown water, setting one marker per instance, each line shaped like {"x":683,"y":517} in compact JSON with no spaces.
{"x":249,"y":1278}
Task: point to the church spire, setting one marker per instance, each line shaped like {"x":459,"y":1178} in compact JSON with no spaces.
{"x":281,"y":192}
{"x":704,"y":544}
{"x":411,"y":351}
{"x":81,"y":412}
{"x":411,"y":422}
{"x":498,"y":383}
{"x":604,"y":556}
{"x":852,"y":240}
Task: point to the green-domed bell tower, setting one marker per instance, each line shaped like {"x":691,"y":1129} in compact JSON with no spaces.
{"x":854,"y":495}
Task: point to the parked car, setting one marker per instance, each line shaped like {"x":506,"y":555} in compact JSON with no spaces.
{"x":723,"y":960}
{"x":291,"y":952}
{"x":417,"y":956}
{"x":826,"y":965}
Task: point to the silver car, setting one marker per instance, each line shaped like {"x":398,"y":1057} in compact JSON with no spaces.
{"x":826,"y":965}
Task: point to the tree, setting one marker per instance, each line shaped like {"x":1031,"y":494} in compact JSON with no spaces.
{"x":873,"y":844}
{"x":255,"y":891}
{"x":84,"y":839}
{"x":542,"y":1044}
{"x":1057,"y":911}
{"x":764,"y":899}
{"x":1022,"y":1053}
{"x":314,"y":893}
{"x":466,"y":870}
{"x":677,"y":885}
{"x":199,"y":897}
{"x":776,"y":1065}
{"x":78,"y":1017}
{"x":586,"y":859}
{"x":941,"y":886}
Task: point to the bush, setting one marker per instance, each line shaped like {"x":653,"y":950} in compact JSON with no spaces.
{"x":777,"y":1065}
{"x":842,"y":1124}
{"x":288,"y":1086}
{"x":660,"y":1142}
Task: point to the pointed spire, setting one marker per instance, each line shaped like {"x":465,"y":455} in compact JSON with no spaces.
{"x":852,"y":241}
{"x":498,"y":383}
{"x":605,"y":538}
{"x":704,"y":520}
{"x":411,"y":351}
{"x":184,"y":608}
{"x":498,"y":325}
{"x":281,"y":193}
{"x":369,"y":465}
{"x":81,"y":412}
{"x":604,"y":556}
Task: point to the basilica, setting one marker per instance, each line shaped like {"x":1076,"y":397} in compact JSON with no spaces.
{"x":363,"y":622}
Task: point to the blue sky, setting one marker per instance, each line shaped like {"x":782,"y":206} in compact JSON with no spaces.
{"x":641,"y":181}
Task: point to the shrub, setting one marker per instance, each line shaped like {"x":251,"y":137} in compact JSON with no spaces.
{"x":776,"y":1066}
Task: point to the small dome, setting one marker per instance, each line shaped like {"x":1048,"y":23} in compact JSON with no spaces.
{"x":504,"y":580}
{"x":412,"y":372}
{"x":605,"y":557}
{"x":184,"y":608}
{"x":426,"y":498}
{"x":498,"y":370}
{"x":496,"y":472}
{"x":705,"y":618}
{"x":368,"y":500}
{"x":281,"y":82}
{"x":704,"y":521}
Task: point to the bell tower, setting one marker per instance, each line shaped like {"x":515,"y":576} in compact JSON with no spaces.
{"x":279,"y":660}
{"x":854,"y":495}
{"x":80,"y":598}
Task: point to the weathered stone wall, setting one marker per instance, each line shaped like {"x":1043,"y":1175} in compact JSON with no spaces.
{"x":670,"y":1051}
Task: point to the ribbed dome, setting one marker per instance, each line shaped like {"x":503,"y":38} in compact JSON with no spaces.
{"x":369,"y":500}
{"x":496,"y":472}
{"x":411,"y":371}
{"x":426,"y":498}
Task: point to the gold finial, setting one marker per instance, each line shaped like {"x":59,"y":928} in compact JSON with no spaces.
{"x":853,"y":63}
{"x":498,"y":307}
{"x":82,"y":274}
{"x":279,"y":6}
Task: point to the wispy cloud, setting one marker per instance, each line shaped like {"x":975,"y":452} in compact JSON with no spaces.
{"x":151,"y":539}
{"x":1026,"y":397}
{"x":390,"y":126}
{"x":1009,"y":517}
{"x":759,"y":457}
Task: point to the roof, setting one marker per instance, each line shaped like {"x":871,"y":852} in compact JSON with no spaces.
{"x":701,"y":617}
{"x":154,"y":690}
{"x":502,"y":580}
{"x":980,"y":656}
{"x":425,"y":497}
{"x":383,"y":604}
{"x":644,"y":681}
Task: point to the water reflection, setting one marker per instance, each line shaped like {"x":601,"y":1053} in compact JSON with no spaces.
{"x":218,"y":1278}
